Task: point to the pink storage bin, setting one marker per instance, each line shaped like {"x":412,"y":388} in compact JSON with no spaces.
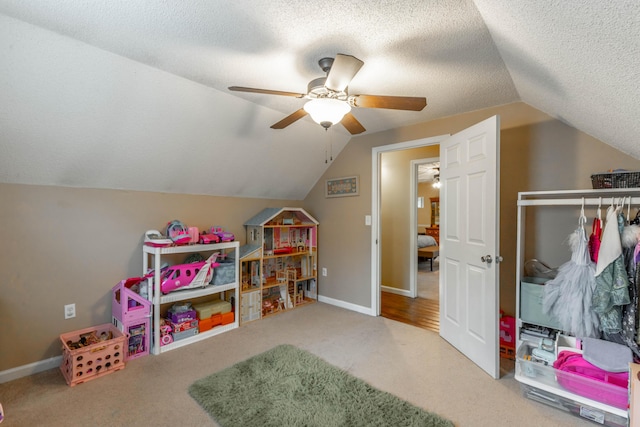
{"x":95,"y":360}
{"x":581,"y":377}
{"x":508,"y":331}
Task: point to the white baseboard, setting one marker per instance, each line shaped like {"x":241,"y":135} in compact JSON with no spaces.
{"x":347,"y":305}
{"x":54,"y":362}
{"x":404,"y":292}
{"x":30,"y":369}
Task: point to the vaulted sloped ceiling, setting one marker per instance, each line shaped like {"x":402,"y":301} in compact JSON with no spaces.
{"x":133,"y":95}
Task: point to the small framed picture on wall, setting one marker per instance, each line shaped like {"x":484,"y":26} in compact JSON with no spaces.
{"x":342,"y":187}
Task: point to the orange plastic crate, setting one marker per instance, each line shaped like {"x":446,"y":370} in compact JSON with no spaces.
{"x":95,"y":360}
{"x":215,"y":320}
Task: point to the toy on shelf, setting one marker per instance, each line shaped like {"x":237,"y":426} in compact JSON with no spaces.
{"x":165,"y":332}
{"x":178,"y":232}
{"x":194,"y":233}
{"x":155,"y":239}
{"x":209,"y":238}
{"x":188,"y":276}
{"x":225,"y":236}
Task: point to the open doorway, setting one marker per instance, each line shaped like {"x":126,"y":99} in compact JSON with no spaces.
{"x":409,"y":284}
{"x":469,"y":202}
{"x":426,"y":184}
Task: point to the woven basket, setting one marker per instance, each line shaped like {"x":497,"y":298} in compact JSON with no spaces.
{"x":621,"y":179}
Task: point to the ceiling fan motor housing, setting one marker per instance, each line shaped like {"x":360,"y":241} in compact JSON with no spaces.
{"x":316,"y":86}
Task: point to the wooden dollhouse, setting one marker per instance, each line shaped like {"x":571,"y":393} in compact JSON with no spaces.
{"x":279,"y":262}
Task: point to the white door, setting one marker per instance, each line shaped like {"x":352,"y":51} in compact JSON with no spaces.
{"x":469,"y":288}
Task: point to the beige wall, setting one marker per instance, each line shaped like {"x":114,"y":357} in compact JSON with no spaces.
{"x":537,"y":153}
{"x":395,"y":199}
{"x":67,"y":245}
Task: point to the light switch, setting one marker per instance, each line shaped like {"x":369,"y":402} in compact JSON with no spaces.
{"x":367,"y":220}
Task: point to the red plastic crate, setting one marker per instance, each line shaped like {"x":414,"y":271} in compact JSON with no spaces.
{"x":95,"y":360}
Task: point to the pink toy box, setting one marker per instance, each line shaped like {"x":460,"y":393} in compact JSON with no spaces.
{"x":130,"y":313}
{"x":181,"y":316}
{"x":101,"y":353}
{"x":183,"y":326}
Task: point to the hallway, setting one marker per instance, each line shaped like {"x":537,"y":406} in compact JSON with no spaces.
{"x":424,"y":311}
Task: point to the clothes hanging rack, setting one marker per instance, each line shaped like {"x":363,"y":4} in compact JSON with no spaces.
{"x":591,"y":197}
{"x":571,"y":198}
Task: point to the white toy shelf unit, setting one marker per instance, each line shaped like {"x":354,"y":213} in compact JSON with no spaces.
{"x":153,"y":259}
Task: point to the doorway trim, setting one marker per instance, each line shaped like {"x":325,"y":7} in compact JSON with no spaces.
{"x":375,"y":208}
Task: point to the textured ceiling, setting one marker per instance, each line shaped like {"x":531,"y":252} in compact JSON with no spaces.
{"x":136,"y":92}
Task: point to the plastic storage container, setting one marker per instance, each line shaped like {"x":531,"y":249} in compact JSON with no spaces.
{"x":216,"y":320}
{"x":599,"y":391}
{"x":531,"y":293}
{"x":95,"y":360}
{"x":208,"y":309}
{"x":576,"y":408}
{"x":224,"y":273}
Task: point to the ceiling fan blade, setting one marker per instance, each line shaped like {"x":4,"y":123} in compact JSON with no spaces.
{"x":290,"y":119}
{"x":343,"y":69}
{"x":390,"y":102}
{"x":266,"y":91}
{"x":352,"y":124}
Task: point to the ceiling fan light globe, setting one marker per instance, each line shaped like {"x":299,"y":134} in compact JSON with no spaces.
{"x":327,"y":110}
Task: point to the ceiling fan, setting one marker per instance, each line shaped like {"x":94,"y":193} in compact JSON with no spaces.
{"x":330,"y":101}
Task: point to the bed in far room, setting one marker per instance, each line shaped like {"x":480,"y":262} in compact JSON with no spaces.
{"x":428,"y":248}
{"x":424,"y":241}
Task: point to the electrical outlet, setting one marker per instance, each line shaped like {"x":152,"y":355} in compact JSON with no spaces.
{"x":69,"y":311}
{"x":324,"y":271}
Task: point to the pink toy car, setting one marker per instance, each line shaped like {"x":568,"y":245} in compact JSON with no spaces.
{"x":208,"y":238}
{"x":224,"y":236}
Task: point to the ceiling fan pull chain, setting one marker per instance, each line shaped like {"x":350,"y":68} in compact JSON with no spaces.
{"x":331,"y":147}
{"x":325,"y":152}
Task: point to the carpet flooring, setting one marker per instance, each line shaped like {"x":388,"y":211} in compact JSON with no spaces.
{"x":411,"y":363}
{"x":287,"y":386}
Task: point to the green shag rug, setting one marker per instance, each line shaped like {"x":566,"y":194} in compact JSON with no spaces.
{"x":286,"y":386}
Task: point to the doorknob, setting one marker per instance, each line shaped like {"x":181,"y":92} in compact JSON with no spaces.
{"x":499,"y":259}
{"x":487,"y":259}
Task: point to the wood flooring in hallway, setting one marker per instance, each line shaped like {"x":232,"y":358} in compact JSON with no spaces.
{"x":420,"y":312}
